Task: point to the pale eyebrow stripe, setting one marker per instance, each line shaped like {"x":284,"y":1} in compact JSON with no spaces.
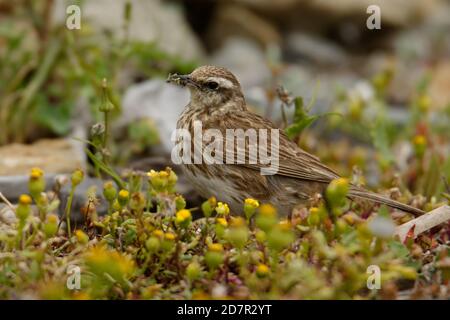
{"x":225,"y":83}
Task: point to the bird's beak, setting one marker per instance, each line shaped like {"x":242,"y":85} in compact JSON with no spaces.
{"x":181,"y":80}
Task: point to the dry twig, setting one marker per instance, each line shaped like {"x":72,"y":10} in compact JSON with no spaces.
{"x":424,"y":223}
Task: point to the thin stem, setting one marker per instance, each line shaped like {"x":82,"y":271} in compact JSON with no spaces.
{"x":68,"y":209}
{"x":9,"y":204}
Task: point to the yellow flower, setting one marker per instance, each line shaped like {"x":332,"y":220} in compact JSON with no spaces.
{"x":250,"y":207}
{"x":163,"y":174}
{"x":216,"y":247}
{"x":262,"y":270}
{"x":102,"y":260}
{"x":222,"y":221}
{"x":109,"y":191}
{"x":237,"y":222}
{"x":36,"y":183}
{"x":342,"y":182}
{"x":25,"y":199}
{"x":208,"y":206}
{"x":267,"y":210}
{"x":36,"y":173}
{"x":337,"y":191}
{"x":158,"y":233}
{"x":183,"y":217}
{"x":152,"y":173}
{"x":81,"y":236}
{"x":285,"y":225}
{"x":424,"y":102}
{"x":314,"y":216}
{"x":123,"y":198}
{"x":124,"y":193}
{"x":77,"y":177}
{"x":222,"y":209}
{"x":52,"y":218}
{"x":420,"y":144}
{"x":420,"y":140}
{"x":252,"y":202}
{"x":169,"y":236}
{"x":163,"y":180}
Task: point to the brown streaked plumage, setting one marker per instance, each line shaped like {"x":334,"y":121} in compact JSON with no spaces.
{"x":217,"y":101}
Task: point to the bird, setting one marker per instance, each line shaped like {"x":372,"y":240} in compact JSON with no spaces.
{"x":217,"y":102}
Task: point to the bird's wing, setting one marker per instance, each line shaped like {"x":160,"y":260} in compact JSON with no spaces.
{"x":293,"y":161}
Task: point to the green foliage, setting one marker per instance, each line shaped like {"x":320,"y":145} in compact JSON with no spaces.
{"x":134,"y":252}
{"x":302,"y":119}
{"x":41,"y":80}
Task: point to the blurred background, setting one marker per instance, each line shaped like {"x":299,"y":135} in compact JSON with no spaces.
{"x":373,"y":104}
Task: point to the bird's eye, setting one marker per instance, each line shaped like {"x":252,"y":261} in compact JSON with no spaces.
{"x":212,"y":85}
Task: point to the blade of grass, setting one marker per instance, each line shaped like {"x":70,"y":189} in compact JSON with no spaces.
{"x":103,"y":167}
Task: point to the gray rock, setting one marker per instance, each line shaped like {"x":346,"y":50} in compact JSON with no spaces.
{"x":397,"y":13}
{"x":315,"y":49}
{"x":13,"y":186}
{"x":157,"y":100}
{"x":7,"y":215}
{"x":151,"y":21}
{"x":51,"y":155}
{"x":245,"y":59}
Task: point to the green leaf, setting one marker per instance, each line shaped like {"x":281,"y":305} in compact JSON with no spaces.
{"x":102,"y":166}
{"x":302,"y":119}
{"x":399,"y":249}
{"x":53,"y":117}
{"x":382,"y":141}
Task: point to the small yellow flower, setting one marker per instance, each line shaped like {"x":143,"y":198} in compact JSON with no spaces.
{"x":101,"y":260}
{"x":183,"y":217}
{"x":420,"y":140}
{"x":424,"y":102}
{"x":216,"y":247}
{"x":237,"y":222}
{"x":123,"y":198}
{"x":342,"y":182}
{"x":81,"y":236}
{"x":25,"y":199}
{"x":163,"y":180}
{"x":267,"y":210}
{"x":152,"y":173}
{"x":420,"y":144}
{"x":222,"y":221}
{"x":36,"y":173}
{"x":314,"y":210}
{"x":184,"y":214}
{"x":252,"y":202}
{"x":77,"y":177}
{"x":208,"y":206}
{"x":285,"y":225}
{"x":124,"y":194}
{"x":52,"y":218}
{"x":163,"y":174}
{"x":222,"y":209}
{"x":250,"y":207}
{"x":81,"y":296}
{"x":262,"y":270}
{"x":169,"y":236}
{"x":158,"y":233}
{"x":337,"y":191}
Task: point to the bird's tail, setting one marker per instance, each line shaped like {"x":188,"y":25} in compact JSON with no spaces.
{"x":364,"y":194}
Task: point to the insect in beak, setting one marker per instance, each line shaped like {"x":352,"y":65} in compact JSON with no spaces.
{"x":181,"y":80}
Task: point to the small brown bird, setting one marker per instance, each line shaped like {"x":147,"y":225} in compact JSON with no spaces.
{"x":218,"y":103}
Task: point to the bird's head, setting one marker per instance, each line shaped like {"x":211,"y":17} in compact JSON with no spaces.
{"x":211,"y":87}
